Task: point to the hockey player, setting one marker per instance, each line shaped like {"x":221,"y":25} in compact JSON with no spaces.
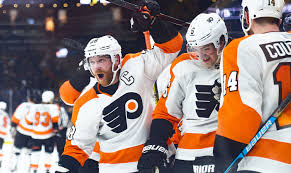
{"x":44,"y":118}
{"x":4,"y":126}
{"x":119,"y":109}
{"x":255,"y":79}
{"x":22,"y":131}
{"x":60,"y":136}
{"x":191,"y":96}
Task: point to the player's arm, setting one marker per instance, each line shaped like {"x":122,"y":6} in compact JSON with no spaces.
{"x":71,"y":89}
{"x":166,"y":115}
{"x":239,"y":116}
{"x":82,"y":137}
{"x":19,"y":111}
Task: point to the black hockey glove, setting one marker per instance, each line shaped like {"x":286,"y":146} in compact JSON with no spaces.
{"x":80,"y":78}
{"x":67,"y":164}
{"x":154,"y":154}
{"x":145,"y":17}
{"x":155,"y":151}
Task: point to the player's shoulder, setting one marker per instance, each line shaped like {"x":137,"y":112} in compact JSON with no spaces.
{"x":184,"y":64}
{"x":131,"y":56}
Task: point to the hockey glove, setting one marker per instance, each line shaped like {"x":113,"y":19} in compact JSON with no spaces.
{"x":145,"y":16}
{"x":216,"y":90}
{"x":154,"y":154}
{"x":67,"y":164}
{"x":81,"y":77}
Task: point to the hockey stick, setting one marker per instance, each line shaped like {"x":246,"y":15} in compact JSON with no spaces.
{"x":73,"y":44}
{"x":277,"y":112}
{"x":162,"y":16}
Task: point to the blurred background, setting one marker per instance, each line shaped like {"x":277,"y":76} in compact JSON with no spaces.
{"x":34,"y":57}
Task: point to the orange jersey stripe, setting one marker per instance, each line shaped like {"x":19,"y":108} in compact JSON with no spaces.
{"x":43,"y":133}
{"x":129,"y":56}
{"x":68,"y":93}
{"x":82,"y":100}
{"x":55,"y":119}
{"x":229,"y":114}
{"x":97,"y":148}
{"x":75,"y":152}
{"x":122,"y":156}
{"x":24,"y":128}
{"x":281,"y":151}
{"x":2,"y":133}
{"x":197,"y":141}
{"x":173,"y":45}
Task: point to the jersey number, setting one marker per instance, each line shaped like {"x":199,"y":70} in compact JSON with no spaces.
{"x":45,"y":121}
{"x":282,"y":78}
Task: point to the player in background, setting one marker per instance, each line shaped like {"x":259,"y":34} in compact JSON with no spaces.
{"x":287,"y":23}
{"x":44,"y":118}
{"x":255,"y":74}
{"x":192,"y":95}
{"x":60,"y":136}
{"x":21,"y":132}
{"x":120,"y":113}
{"x":4,"y":126}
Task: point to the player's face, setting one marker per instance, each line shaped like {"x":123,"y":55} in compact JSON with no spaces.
{"x":207,"y":54}
{"x":101,"y":67}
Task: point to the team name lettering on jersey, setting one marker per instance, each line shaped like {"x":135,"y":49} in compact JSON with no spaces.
{"x":203,"y":168}
{"x":127,"y":106}
{"x":276,"y":50}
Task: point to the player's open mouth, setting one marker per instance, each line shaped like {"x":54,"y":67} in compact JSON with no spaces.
{"x":100,"y":76}
{"x":206,"y":59}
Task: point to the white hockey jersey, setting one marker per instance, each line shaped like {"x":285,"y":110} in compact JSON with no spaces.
{"x":4,"y":124}
{"x":18,"y":118}
{"x":121,"y":121}
{"x":189,"y":97}
{"x":42,"y":117}
{"x":256,"y":77}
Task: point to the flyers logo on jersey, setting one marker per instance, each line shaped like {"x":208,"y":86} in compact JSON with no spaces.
{"x":206,"y":101}
{"x":128,"y":106}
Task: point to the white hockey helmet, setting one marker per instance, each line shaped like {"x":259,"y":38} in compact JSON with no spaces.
{"x":205,"y":29}
{"x":47,"y":96}
{"x":260,"y":8}
{"x":106,"y":45}
{"x":3,"y":105}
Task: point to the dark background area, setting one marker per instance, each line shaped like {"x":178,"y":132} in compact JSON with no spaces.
{"x":28,"y":61}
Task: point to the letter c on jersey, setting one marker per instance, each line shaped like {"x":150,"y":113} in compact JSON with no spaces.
{"x":128,"y":106}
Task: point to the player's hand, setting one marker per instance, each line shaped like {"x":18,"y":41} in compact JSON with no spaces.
{"x":154,"y":156}
{"x":145,"y":16}
{"x":217,"y":90}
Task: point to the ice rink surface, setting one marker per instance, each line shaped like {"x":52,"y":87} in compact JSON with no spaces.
{"x":23,"y":166}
